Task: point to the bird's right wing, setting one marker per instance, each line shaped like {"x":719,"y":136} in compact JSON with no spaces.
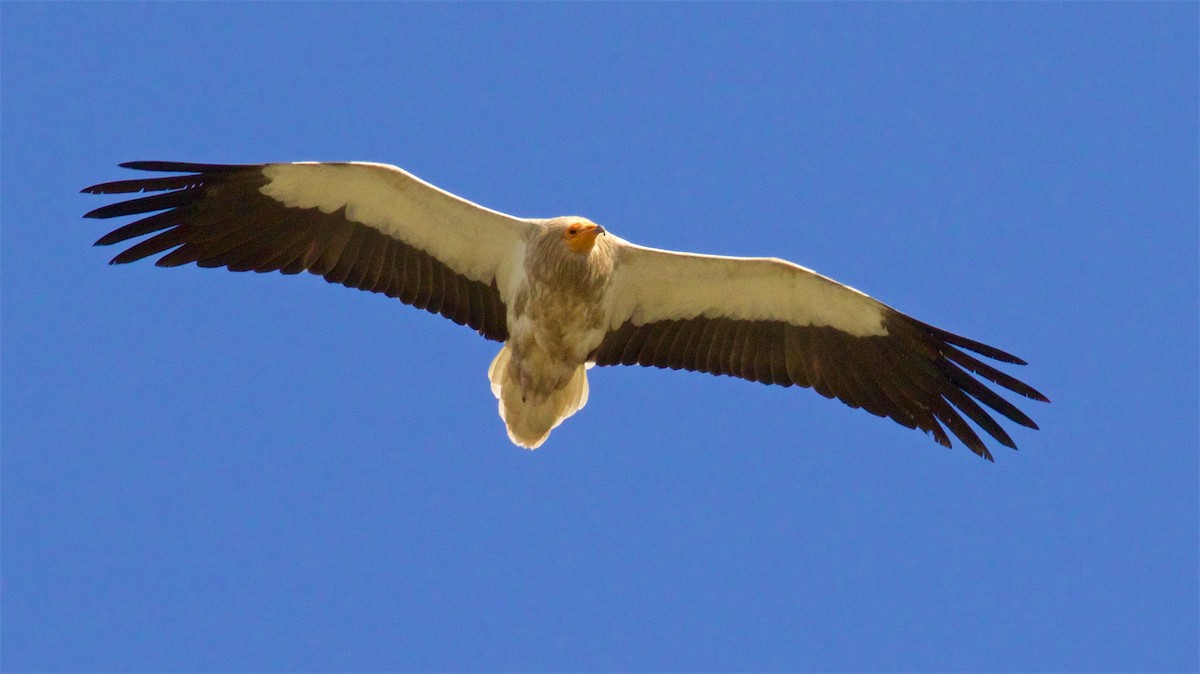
{"x":368,"y":226}
{"x":775,"y":322}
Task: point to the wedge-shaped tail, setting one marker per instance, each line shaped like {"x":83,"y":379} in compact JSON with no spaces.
{"x":530,"y":421}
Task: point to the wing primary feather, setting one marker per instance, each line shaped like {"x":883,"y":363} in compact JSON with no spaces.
{"x":317,"y":242}
{"x":387,"y":267}
{"x":393,"y":278}
{"x":915,"y":385}
{"x":735,"y":344}
{"x":703,"y":344}
{"x":750,"y":351}
{"x":185,"y":167}
{"x":939,"y":433}
{"x":477,"y":313}
{"x":738,"y":335}
{"x":381,"y":268}
{"x":666,"y":342}
{"x":718,"y":353}
{"x":685,"y":333}
{"x":293,"y":267}
{"x":373,"y":264}
{"x":154,"y":202}
{"x":141,"y":227}
{"x":609,"y":351}
{"x":425,"y":282}
{"x":840,"y":384}
{"x":818,"y":371}
{"x":860,"y":374}
{"x":763,"y":345}
{"x":975,"y":413}
{"x":444,"y":291}
{"x":992,"y":374}
{"x":892,"y":381}
{"x":409,"y":280}
{"x":795,"y":348}
{"x":958,"y":426}
{"x":146,"y":185}
{"x":361,"y":269}
{"x":778,"y":359}
{"x":345,"y":265}
{"x":921,"y":336}
{"x":211,"y":228}
{"x":462,"y":300}
{"x":284,"y":245}
{"x":185,"y":254}
{"x":683,"y":355}
{"x":291,"y":259}
{"x":152,"y":246}
{"x":650,"y":345}
{"x":632,"y":345}
{"x":437,"y":286}
{"x":766,"y":341}
{"x":498,"y":324}
{"x":357,"y":269}
{"x":984,"y":394}
{"x":978,"y":347}
{"x":439,"y":295}
{"x":333,"y":250}
{"x":246,"y":244}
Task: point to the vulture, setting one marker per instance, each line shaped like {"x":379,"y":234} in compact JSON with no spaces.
{"x":563,"y":294}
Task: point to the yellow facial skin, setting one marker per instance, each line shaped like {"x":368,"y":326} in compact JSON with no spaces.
{"x":581,"y":236}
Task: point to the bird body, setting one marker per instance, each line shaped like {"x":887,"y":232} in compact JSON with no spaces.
{"x":563,"y":294}
{"x":557,"y":317}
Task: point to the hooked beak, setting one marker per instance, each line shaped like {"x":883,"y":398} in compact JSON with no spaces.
{"x":589,"y":235}
{"x":584,"y":240}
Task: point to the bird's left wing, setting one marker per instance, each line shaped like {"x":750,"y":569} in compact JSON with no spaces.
{"x":771,"y":321}
{"x":368,"y":226}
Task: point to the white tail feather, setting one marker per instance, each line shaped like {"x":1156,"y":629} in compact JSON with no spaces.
{"x":529,"y":422}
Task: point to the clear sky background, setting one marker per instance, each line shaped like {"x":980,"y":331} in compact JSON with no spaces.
{"x":211,"y":471}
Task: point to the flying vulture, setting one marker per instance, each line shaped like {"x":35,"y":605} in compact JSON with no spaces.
{"x":563,"y":294}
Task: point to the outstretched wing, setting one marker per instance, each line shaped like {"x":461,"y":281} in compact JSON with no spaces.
{"x":368,"y":226}
{"x":775,"y":322}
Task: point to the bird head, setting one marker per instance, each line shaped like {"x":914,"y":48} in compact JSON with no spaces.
{"x":580,"y":234}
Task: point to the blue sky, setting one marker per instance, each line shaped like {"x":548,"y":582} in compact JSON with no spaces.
{"x":213,"y":471}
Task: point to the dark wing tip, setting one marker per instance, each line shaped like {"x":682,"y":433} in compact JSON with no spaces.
{"x":179,"y":166}
{"x":979,"y":448}
{"x":951,"y":382}
{"x":1037,"y":395}
{"x":115,"y":236}
{"x":100,"y":188}
{"x":984,"y":370}
{"x":109,"y":211}
{"x":196,"y":173}
{"x":978,"y":347}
